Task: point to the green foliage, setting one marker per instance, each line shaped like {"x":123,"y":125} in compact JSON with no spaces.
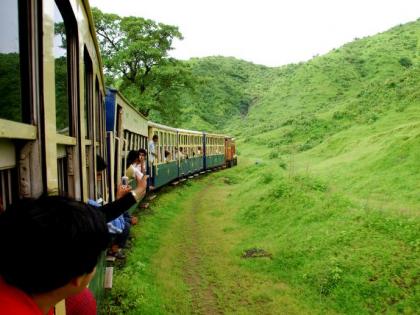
{"x":10,"y":101}
{"x":135,"y":54}
{"x":61,"y":95}
{"x":406,"y":62}
{"x":224,"y":88}
{"x":273,"y":154}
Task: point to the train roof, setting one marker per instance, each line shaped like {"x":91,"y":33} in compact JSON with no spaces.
{"x":189,"y":131}
{"x":216,"y":135}
{"x":160,"y":126}
{"x":126,"y":102}
{"x":92,"y":30}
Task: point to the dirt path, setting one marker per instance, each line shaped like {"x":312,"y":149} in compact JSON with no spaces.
{"x":199,"y":265}
{"x":204,"y":300}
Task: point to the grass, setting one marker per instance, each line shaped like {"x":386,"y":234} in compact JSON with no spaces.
{"x":329,"y":255}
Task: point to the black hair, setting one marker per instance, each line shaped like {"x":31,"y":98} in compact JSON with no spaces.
{"x":49,"y":241}
{"x":100,"y":163}
{"x":143,"y":151}
{"x":155,"y":137}
{"x":167,"y":153}
{"x":132,"y":156}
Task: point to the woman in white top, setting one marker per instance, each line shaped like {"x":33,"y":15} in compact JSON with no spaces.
{"x":137,"y":162}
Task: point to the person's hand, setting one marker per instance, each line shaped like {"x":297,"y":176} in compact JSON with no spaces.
{"x":134,"y":220}
{"x":141,"y":186}
{"x":122,"y":190}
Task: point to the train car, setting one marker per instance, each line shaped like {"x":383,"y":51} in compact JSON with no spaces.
{"x":191,"y":158}
{"x":165,"y":167}
{"x":214,"y":150}
{"x":127,"y":129}
{"x":52,"y":117}
{"x":230,"y":152}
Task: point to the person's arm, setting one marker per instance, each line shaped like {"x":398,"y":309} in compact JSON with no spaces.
{"x":114,"y":209}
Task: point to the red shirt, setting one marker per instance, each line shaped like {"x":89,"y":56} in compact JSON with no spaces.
{"x":83,"y":303}
{"x":16,"y":302}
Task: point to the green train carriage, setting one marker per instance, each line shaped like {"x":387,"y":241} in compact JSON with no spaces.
{"x":164,"y":169}
{"x":191,"y":144}
{"x":214,"y":150}
{"x":127,"y":129}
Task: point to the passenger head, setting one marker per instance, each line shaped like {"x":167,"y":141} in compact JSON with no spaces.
{"x":142,"y":154}
{"x":50,"y":243}
{"x":100,"y":163}
{"x":155,"y":138}
{"x":132,"y":157}
{"x":167,"y":153}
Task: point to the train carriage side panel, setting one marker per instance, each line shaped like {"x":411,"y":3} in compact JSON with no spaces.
{"x":165,"y":167}
{"x":191,"y":143}
{"x":215,"y":150}
{"x":130,"y":132}
{"x":230,"y":154}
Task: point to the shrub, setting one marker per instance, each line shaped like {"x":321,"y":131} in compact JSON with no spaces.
{"x":405,"y":62}
{"x":266,"y":178}
{"x":282,"y":164}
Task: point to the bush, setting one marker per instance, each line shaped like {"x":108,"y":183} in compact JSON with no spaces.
{"x":282,"y":164}
{"x":266,"y":178}
{"x":405,"y":62}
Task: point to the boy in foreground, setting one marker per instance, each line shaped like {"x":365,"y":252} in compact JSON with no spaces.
{"x":51,"y":246}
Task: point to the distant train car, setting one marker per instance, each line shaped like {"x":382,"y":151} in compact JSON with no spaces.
{"x":191,"y":147}
{"x":165,"y":167}
{"x":127,"y":129}
{"x":230,"y":152}
{"x":214,"y":150}
{"x":52,"y":117}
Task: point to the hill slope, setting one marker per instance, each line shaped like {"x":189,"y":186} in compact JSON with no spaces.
{"x":351,"y":116}
{"x":224,"y":88}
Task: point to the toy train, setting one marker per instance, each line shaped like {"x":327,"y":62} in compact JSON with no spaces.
{"x":55,"y":119}
{"x":180,"y":152}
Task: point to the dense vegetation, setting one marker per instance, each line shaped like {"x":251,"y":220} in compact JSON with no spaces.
{"x":10,"y":107}
{"x":327,"y":184}
{"x":224,"y":88}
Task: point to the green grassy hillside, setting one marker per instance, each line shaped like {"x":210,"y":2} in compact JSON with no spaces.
{"x":224,"y":88}
{"x":351,"y":116}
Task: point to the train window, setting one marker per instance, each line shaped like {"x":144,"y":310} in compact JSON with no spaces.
{"x":160,"y":147}
{"x":61,"y":73}
{"x":174,"y":145}
{"x":88,"y":77}
{"x":8,"y":174}
{"x":62,"y":169}
{"x":10,"y":61}
{"x":118,"y":125}
{"x":62,"y":175}
{"x":98,"y":111}
{"x":8,"y":192}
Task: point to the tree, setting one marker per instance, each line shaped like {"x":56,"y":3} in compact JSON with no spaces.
{"x":135,"y":54}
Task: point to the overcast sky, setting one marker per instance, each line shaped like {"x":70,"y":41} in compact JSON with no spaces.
{"x":267,"y":32}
